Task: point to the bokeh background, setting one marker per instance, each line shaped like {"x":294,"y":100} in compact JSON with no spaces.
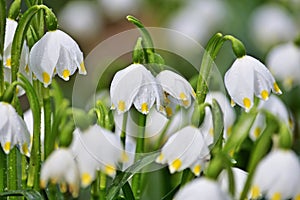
{"x":259,"y":24}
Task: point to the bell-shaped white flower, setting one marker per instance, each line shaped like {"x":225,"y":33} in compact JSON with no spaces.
{"x":10,"y":30}
{"x":228,"y":114}
{"x":184,"y":149}
{"x":13,"y":130}
{"x":275,"y":106}
{"x":248,"y":77}
{"x":201,"y":188}
{"x":55,"y":52}
{"x":277,"y":175}
{"x":60,"y":168}
{"x":284,"y":61}
{"x":177,"y":90}
{"x":135,"y":85}
{"x":239,"y":176}
{"x":96,"y":148}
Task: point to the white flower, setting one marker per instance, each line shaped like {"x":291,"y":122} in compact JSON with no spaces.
{"x":277,"y":175}
{"x":271,"y":24}
{"x":228,"y":115}
{"x":96,"y":148}
{"x":284,"y":62}
{"x":10,"y":30}
{"x":185,"y":149}
{"x":55,"y":52}
{"x":248,"y":77}
{"x":177,"y":90}
{"x":201,"y":188}
{"x":277,"y":108}
{"x":13,"y":130}
{"x":239,"y":177}
{"x":135,"y":84}
{"x":60,"y":167}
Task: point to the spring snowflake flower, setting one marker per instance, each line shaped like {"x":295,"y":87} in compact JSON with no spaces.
{"x":177,"y":90}
{"x":229,"y":116}
{"x":277,"y":108}
{"x":201,"y":188}
{"x":277,"y":175}
{"x":13,"y":130}
{"x":10,"y":30}
{"x":135,"y":85}
{"x":184,"y":149}
{"x":285,"y":70}
{"x":60,"y":167}
{"x":96,"y":148}
{"x":239,"y":176}
{"x":55,"y":52}
{"x":248,"y":77}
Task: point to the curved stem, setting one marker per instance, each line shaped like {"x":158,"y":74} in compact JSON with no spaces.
{"x":48,"y":148}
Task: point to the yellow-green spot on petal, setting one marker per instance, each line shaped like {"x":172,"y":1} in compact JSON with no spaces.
{"x":229,"y":131}
{"x":46,"y":77}
{"x":211,"y":131}
{"x":8,"y":62}
{"x":124,"y":157}
{"x":264,"y":94}
{"x":66,"y":74}
{"x":110,"y":170}
{"x":255,"y":192}
{"x":7,"y":147}
{"x":182,"y":96}
{"x":121,"y":106}
{"x":144,"y":108}
{"x":197,"y":170}
{"x":276,"y":196}
{"x":43,"y":184}
{"x":257,"y":132}
{"x":276,"y":88}
{"x":169,"y":111}
{"x":297,"y":197}
{"x":86,"y":178}
{"x":232,"y":103}
{"x":160,"y":158}
{"x":247,"y":103}
{"x":63,"y":187}
{"x":73,"y":190}
{"x":82,"y":68}
{"x":27,"y":69}
{"x":25,"y":149}
{"x":176,"y":164}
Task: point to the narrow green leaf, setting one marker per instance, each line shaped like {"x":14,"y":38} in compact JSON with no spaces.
{"x":218,"y":124}
{"x":171,"y":194}
{"x":123,"y":177}
{"x":128,"y":191}
{"x":28,"y":194}
{"x":2,"y":33}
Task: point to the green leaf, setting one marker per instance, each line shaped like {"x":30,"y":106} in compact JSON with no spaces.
{"x":123,"y":177}
{"x":218,"y":124}
{"x":171,"y":194}
{"x":2,"y":33}
{"x":28,"y":194}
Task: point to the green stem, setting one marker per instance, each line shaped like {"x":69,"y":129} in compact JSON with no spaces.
{"x":35,"y":158}
{"x":14,"y":170}
{"x":136,"y":180}
{"x":3,"y":171}
{"x":2,"y":34}
{"x":47,"y":123}
{"x":187,"y":176}
{"x":103,"y":177}
{"x":260,"y":149}
{"x":212,"y":49}
{"x":123,"y":132}
{"x":96,"y":187}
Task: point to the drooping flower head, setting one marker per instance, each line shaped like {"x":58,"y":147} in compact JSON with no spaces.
{"x":55,"y":52}
{"x":277,"y":175}
{"x":13,"y":130}
{"x":201,"y":188}
{"x":135,"y":85}
{"x":284,"y":61}
{"x":96,"y":148}
{"x":248,"y":77}
{"x":60,"y":167}
{"x":185,"y":149}
{"x":177,"y":90}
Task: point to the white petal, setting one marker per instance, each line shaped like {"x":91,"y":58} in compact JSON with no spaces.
{"x":176,"y":86}
{"x":125,"y":86}
{"x":239,"y":82}
{"x":201,"y":188}
{"x":43,"y":57}
{"x":65,"y":66}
